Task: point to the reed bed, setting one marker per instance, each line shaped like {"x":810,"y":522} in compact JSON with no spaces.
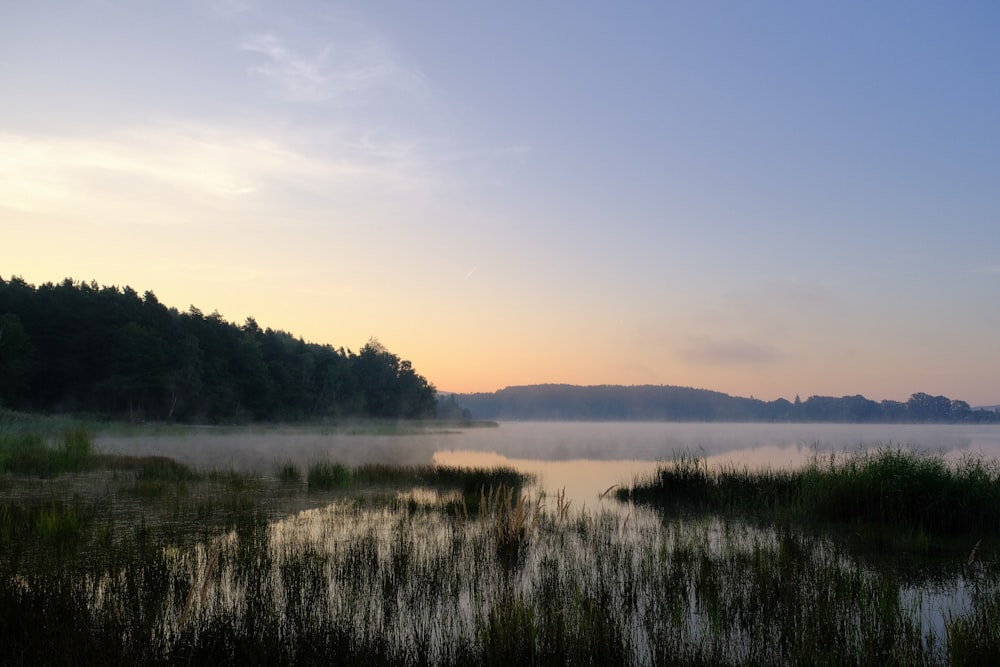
{"x":890,"y":486}
{"x":27,"y":453}
{"x":348,"y":583}
{"x":327,"y":476}
{"x":228,"y":568}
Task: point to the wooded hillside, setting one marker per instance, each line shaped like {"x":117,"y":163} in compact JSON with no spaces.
{"x":78,"y":347}
{"x":669,"y":403}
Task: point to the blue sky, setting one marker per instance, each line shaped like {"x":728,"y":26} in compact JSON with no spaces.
{"x":766,"y":198}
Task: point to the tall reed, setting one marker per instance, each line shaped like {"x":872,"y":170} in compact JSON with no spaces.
{"x":28,"y":453}
{"x":225,"y":573}
{"x":889,"y":486}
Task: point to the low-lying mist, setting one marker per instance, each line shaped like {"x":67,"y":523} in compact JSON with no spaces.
{"x":751,"y":444}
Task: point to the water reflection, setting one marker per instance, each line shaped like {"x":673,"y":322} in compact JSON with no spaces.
{"x":585,"y":459}
{"x":583,"y":481}
{"x":407,"y":578}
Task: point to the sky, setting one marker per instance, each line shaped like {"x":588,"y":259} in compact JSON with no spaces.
{"x":767,"y":199}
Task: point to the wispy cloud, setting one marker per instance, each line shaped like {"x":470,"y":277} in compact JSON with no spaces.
{"x":706,"y":350}
{"x":344,"y":67}
{"x":40,"y":173}
{"x":161,"y":173}
{"x":299,"y":78}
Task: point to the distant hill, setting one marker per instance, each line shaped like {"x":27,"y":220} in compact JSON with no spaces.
{"x":562,"y":402}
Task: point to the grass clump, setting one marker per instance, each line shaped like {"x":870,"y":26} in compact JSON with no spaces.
{"x":687,"y":483}
{"x":164,"y":469}
{"x":471,"y":481}
{"x":328,"y":476}
{"x":512,"y":521}
{"x":28,"y":453}
{"x":235,"y":482}
{"x":905,"y":488}
{"x":888,"y":487}
{"x":289,"y":473}
{"x":53,"y":522}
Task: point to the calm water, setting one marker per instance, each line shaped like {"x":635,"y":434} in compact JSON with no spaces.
{"x":582,"y":458}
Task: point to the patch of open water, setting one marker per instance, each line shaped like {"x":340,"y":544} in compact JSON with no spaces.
{"x":583,"y":461}
{"x":582,"y":458}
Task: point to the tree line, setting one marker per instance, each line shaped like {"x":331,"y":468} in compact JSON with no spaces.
{"x":670,"y":403}
{"x":78,"y":347}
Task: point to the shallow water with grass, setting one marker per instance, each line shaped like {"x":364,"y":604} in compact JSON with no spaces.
{"x":149,"y":559}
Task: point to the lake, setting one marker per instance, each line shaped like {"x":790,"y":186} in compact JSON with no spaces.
{"x":152,"y":562}
{"x":582,"y":458}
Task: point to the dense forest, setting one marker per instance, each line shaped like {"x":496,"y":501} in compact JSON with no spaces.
{"x":83,"y":348}
{"x":666,"y":403}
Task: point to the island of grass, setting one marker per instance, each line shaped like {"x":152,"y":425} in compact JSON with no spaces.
{"x":890,"y":486}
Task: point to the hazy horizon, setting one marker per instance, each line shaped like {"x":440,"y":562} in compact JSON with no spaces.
{"x":773,"y":199}
{"x":751,"y":396}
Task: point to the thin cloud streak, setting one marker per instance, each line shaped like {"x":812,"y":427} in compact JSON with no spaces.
{"x":300,"y":79}
{"x":706,"y":350}
{"x":345,"y":69}
{"x":184,"y":165}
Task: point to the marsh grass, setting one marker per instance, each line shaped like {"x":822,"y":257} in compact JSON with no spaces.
{"x":34,"y":454}
{"x":55,"y":522}
{"x":367,"y":586}
{"x":328,"y":476}
{"x":289,"y":473}
{"x":228,"y":568}
{"x":164,"y":469}
{"x":512,"y":521}
{"x":471,"y":481}
{"x":921,"y":493}
{"x":900,"y":487}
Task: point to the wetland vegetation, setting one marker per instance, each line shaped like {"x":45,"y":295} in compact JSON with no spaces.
{"x":891,"y":486}
{"x":146,"y":560}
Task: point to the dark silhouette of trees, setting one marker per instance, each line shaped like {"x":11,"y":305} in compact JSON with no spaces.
{"x":79,"y":347}
{"x":391,"y":387}
{"x":667,"y":403}
{"x":16,"y":358}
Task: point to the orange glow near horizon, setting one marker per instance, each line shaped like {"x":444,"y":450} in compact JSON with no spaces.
{"x":333,"y":171}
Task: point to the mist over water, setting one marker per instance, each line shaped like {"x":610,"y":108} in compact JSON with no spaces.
{"x":606,"y":441}
{"x":581,"y":458}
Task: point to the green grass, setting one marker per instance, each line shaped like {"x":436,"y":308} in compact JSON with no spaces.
{"x":901,"y":487}
{"x":164,"y":469}
{"x":55,"y":521}
{"x":469,"y":480}
{"x":221,"y":567}
{"x":387,"y":587}
{"x":289,"y":473}
{"x":887,"y":487}
{"x":33,"y":454}
{"x":328,"y":476}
